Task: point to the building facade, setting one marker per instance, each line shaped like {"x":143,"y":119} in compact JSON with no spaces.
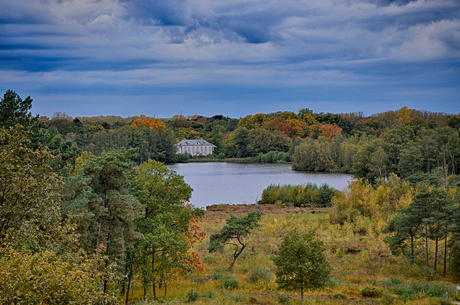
{"x":195,"y":147}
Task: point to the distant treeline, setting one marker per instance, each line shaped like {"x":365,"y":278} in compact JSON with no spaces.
{"x":404,"y":141}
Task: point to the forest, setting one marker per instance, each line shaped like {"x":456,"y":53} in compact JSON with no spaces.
{"x":91,"y":215}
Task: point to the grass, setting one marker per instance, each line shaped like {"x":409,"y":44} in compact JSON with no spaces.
{"x":358,"y":261}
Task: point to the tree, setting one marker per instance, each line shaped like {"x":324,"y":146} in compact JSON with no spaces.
{"x":235,"y":230}
{"x":40,"y":259}
{"x":99,"y":199}
{"x":167,"y":225}
{"x":14,"y":110}
{"x":301,"y":264}
{"x":29,"y":192}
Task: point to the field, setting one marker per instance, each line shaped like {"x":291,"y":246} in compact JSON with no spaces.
{"x":361,"y":262}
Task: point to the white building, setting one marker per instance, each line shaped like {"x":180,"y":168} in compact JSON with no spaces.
{"x":195,"y":147}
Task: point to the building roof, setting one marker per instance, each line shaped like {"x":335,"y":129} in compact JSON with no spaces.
{"x":201,"y":142}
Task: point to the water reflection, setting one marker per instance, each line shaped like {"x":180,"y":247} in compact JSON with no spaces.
{"x":243,"y":183}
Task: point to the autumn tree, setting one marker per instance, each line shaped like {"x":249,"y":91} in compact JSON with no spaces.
{"x":152,"y":123}
{"x":233,"y":233}
{"x":301,"y":264}
{"x":40,"y":258}
{"x":30,"y":193}
{"x":169,"y":225}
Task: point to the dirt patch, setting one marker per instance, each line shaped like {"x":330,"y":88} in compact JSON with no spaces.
{"x":223,"y":211}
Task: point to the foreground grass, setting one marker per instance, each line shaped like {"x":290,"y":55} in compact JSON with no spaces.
{"x":356,"y":252}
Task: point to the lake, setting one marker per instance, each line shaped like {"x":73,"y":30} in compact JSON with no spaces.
{"x":236,"y":183}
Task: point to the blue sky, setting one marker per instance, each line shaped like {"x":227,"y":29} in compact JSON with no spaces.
{"x":231,"y":57}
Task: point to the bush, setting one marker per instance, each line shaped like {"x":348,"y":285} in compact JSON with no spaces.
{"x":283,"y":299}
{"x":210,"y":295}
{"x":392,"y":282}
{"x":371,"y":292}
{"x":217,"y":276}
{"x":339,"y":296}
{"x":259,"y":272}
{"x":300,"y":195}
{"x":192,"y":296}
{"x":229,"y":284}
{"x":387,"y":300}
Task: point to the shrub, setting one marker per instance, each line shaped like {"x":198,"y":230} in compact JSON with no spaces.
{"x":238,"y":297}
{"x":217,"y":276}
{"x":259,"y":272}
{"x":210,"y":295}
{"x":339,"y":296}
{"x":229,"y":284}
{"x":332,"y":282}
{"x":387,"y":300}
{"x":392,"y":282}
{"x":371,"y":292}
{"x":373,"y":282}
{"x":192,"y":296}
{"x":283,"y":299}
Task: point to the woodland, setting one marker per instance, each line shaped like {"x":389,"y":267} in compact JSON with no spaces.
{"x":91,"y":215}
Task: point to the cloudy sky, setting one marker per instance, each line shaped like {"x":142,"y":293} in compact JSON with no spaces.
{"x":231,"y":57}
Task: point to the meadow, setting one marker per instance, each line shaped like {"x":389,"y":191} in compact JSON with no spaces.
{"x":364,"y":271}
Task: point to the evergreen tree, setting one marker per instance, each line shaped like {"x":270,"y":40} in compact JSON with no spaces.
{"x":235,"y":230}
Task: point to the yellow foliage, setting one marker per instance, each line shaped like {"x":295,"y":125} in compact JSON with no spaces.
{"x":152,"y":123}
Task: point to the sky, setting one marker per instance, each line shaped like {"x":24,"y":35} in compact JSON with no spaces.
{"x":230,"y":57}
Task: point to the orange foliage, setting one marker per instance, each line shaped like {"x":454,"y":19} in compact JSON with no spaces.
{"x":193,"y":235}
{"x":292,"y":127}
{"x":151,"y":123}
{"x":326,"y":130}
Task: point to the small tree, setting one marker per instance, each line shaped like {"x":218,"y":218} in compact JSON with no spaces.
{"x":235,"y":230}
{"x":301,"y":264}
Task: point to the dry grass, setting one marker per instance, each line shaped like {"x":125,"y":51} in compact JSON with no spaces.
{"x":358,"y":259}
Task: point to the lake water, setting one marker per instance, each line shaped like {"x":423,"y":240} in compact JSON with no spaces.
{"x":235,"y":183}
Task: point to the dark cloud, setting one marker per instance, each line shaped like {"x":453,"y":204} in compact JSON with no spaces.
{"x":233,"y":50}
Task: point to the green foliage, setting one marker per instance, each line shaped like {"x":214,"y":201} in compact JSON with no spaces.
{"x":192,"y":296}
{"x":217,"y":276}
{"x":301,"y":264}
{"x":166,"y":230}
{"x":339,"y":296}
{"x":229,"y":284}
{"x":284,"y":299}
{"x":371,"y":292}
{"x":30,"y":200}
{"x":236,"y":229}
{"x":259,"y":272}
{"x":99,"y":198}
{"x":300,"y":195}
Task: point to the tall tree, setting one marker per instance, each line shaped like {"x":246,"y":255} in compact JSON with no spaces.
{"x":166,"y":225}
{"x":99,"y":198}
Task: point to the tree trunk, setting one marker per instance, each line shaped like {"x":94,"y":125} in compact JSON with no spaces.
{"x":106,"y":261}
{"x":165,"y":288}
{"x":426,"y":245}
{"x":301,"y":295}
{"x":412,"y":248}
{"x":96,"y":256}
{"x":129,"y":283}
{"x":146,"y":295}
{"x":435,"y":255}
{"x":153,"y":276}
{"x":445,"y":256}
